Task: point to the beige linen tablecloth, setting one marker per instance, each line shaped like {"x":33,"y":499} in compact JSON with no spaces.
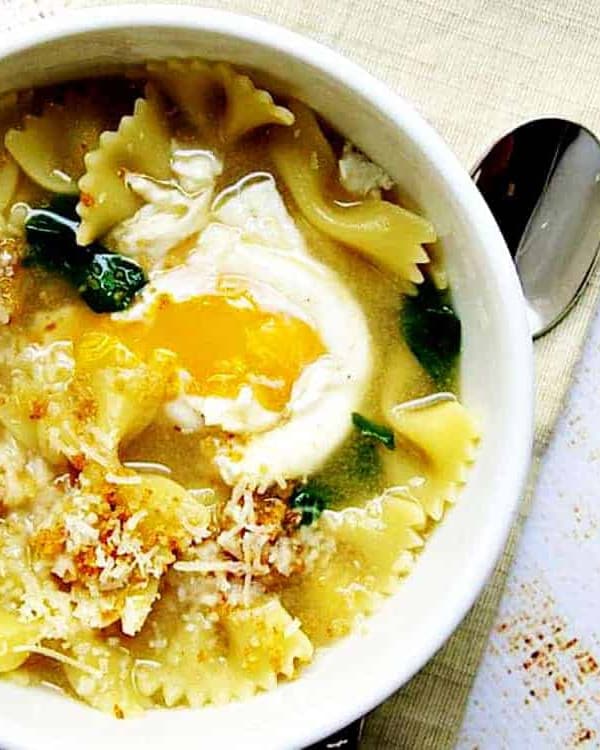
{"x":474,"y":68}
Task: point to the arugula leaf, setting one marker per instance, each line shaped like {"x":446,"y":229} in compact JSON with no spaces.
{"x":433,"y":331}
{"x":107,"y":281}
{"x":373,"y":430}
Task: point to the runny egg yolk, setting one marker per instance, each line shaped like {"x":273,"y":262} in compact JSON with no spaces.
{"x":225,"y":343}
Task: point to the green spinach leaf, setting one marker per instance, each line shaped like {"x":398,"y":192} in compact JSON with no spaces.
{"x":111,"y":282}
{"x":432,"y":330}
{"x":107,"y":281}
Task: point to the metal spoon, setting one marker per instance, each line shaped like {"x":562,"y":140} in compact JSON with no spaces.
{"x":542,"y":184}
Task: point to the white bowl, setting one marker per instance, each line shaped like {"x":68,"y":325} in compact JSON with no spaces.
{"x":355,"y":675}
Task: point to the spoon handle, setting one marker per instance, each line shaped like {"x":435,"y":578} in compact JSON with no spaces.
{"x":347,"y":738}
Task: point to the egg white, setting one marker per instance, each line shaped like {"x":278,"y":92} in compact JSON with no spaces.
{"x":173,"y":211}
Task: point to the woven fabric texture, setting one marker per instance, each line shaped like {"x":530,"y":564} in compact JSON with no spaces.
{"x":474,"y":68}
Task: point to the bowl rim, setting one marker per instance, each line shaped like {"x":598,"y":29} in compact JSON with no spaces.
{"x":74,"y":22}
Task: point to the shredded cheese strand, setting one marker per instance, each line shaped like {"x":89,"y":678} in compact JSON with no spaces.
{"x":52,"y":654}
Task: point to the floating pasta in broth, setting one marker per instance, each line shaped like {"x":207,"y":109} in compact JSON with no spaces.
{"x":247,"y":107}
{"x":443,"y":432}
{"x":387,"y":234}
{"x":50,"y":148}
{"x":9,"y":176}
{"x":11,"y":106}
{"x":203,"y":91}
{"x":141,"y":145}
{"x":230,"y":414}
{"x":190,"y":84}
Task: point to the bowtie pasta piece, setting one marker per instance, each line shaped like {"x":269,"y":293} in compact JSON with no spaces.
{"x":51,"y":148}
{"x":38,"y":609}
{"x":127,"y":391}
{"x":66,"y":402}
{"x":33,"y":406}
{"x":195,"y":85}
{"x":15,"y":638}
{"x":247,"y":107}
{"x":142,"y":144}
{"x":387,"y":234}
{"x":190,"y":84}
{"x":9,"y":177}
{"x":196,"y":657}
{"x":379,"y":539}
{"x":442,"y":435}
{"x":102,"y":673}
{"x":23,"y":474}
{"x":11,"y":112}
{"x":110,"y":546}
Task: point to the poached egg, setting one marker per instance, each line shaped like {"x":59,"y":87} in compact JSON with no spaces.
{"x":273,"y":350}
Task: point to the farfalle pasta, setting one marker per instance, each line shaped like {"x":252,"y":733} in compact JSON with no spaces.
{"x":208,"y":92}
{"x":370,"y":548}
{"x":141,"y":145}
{"x":12,"y":107}
{"x":9,"y":176}
{"x":424,"y":425}
{"x":230,"y":410}
{"x":190,"y":84}
{"x":386,"y":233}
{"x":18,"y":637}
{"x":50,"y":147}
{"x":247,"y":651}
{"x":247,"y":107}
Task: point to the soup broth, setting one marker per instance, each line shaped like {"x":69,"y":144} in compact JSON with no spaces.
{"x":229,"y":411}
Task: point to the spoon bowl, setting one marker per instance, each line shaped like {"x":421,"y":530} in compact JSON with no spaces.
{"x":541,"y":182}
